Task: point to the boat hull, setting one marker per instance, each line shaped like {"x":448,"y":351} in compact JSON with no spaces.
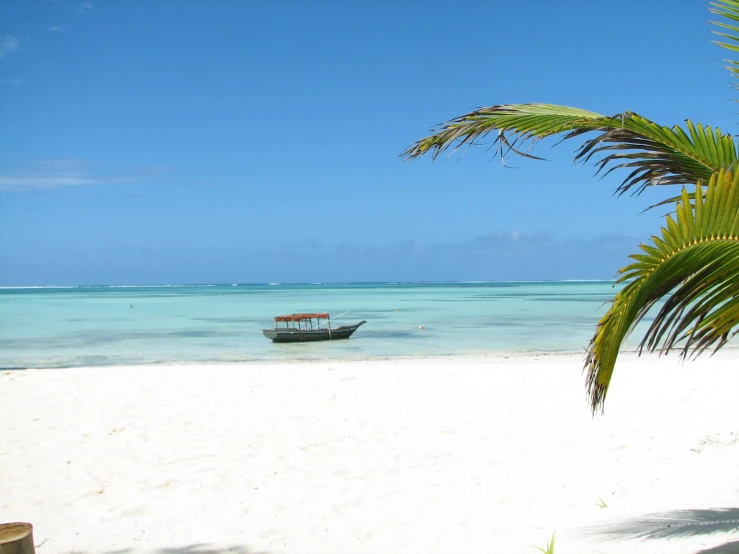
{"x":311,"y":335}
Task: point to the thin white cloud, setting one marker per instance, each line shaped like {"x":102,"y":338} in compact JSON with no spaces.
{"x":57,"y":29}
{"x":8,"y":43}
{"x":85,"y":7}
{"x":11,"y":81}
{"x":49,"y":174}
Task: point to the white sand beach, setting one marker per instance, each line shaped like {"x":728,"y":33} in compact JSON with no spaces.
{"x":435,"y":455}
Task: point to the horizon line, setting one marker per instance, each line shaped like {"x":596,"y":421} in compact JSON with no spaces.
{"x":306,"y":283}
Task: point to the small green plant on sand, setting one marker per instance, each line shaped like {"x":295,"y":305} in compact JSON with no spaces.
{"x":549,"y":549}
{"x":602,"y":503}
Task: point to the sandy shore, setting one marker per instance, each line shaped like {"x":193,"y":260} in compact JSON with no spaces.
{"x":442,"y":455}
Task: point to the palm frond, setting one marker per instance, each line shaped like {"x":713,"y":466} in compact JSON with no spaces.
{"x":729,"y":30}
{"x":658,"y":155}
{"x":695,"y":264}
{"x":653,"y":154}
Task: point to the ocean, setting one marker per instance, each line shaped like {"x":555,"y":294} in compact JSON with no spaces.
{"x":50,"y":327}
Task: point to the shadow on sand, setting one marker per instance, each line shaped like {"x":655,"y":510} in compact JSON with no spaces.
{"x":726,"y":548}
{"x":205,"y":549}
{"x":678,"y":523}
{"x":190,"y":549}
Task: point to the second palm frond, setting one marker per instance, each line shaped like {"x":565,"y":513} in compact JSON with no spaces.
{"x":695,"y":264}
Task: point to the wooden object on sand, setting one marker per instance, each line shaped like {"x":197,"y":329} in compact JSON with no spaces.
{"x":16,"y":538}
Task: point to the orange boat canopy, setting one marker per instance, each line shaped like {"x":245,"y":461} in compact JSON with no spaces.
{"x":301,"y":317}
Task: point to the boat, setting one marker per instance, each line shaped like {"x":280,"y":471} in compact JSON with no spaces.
{"x":301,"y":328}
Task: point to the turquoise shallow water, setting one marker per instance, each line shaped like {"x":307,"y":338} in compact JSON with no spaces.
{"x":75,"y":326}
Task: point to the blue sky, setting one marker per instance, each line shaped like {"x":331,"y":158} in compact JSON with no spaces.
{"x":255,"y":141}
